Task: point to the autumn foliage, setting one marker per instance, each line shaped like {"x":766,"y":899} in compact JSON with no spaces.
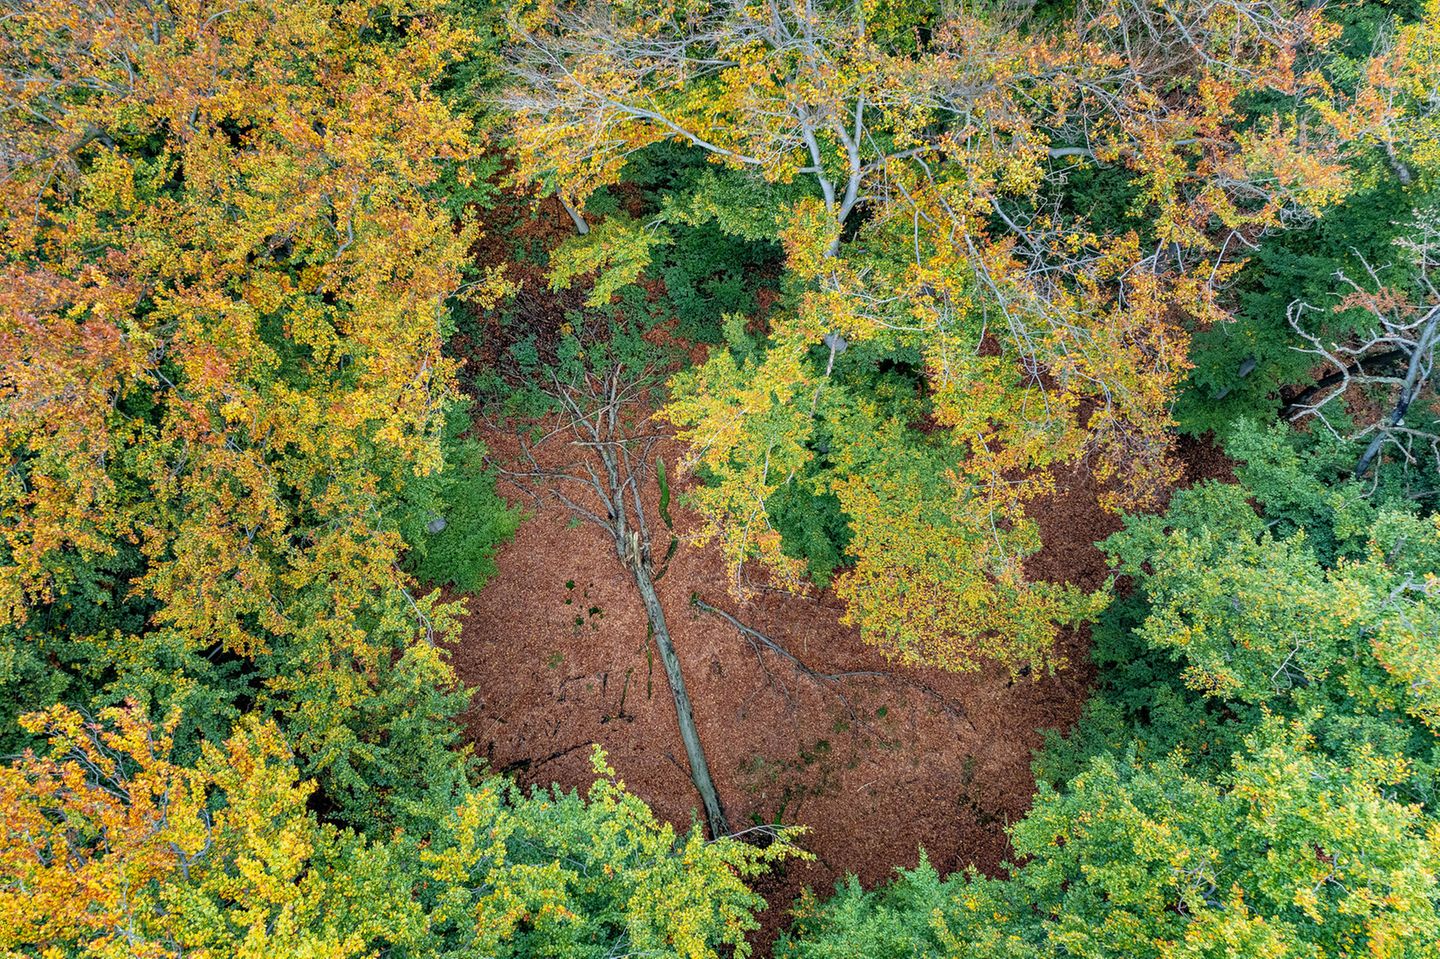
{"x":966,"y":252}
{"x":938,"y":229}
{"x":221,"y":322}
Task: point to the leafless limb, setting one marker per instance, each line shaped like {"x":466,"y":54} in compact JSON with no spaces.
{"x":832,"y":682}
{"x":601,"y":423}
{"x":1393,"y":357}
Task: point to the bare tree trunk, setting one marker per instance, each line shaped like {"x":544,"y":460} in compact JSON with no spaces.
{"x":596,"y":406}
{"x":694,"y":752}
{"x":576,"y":217}
{"x":1417,"y":373}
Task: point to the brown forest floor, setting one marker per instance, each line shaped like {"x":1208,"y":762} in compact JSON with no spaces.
{"x":556,"y":649}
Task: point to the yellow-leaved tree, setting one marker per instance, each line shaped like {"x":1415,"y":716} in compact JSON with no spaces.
{"x":1000,"y":226}
{"x":111,"y":846}
{"x":226,"y":270}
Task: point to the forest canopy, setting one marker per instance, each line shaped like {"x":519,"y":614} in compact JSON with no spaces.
{"x":1088,"y":343}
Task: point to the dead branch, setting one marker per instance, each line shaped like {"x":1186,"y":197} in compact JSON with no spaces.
{"x":599,"y":423}
{"x":1404,"y":326}
{"x":829,"y":681}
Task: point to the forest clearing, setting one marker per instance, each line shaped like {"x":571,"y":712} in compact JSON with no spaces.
{"x":801,"y":479}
